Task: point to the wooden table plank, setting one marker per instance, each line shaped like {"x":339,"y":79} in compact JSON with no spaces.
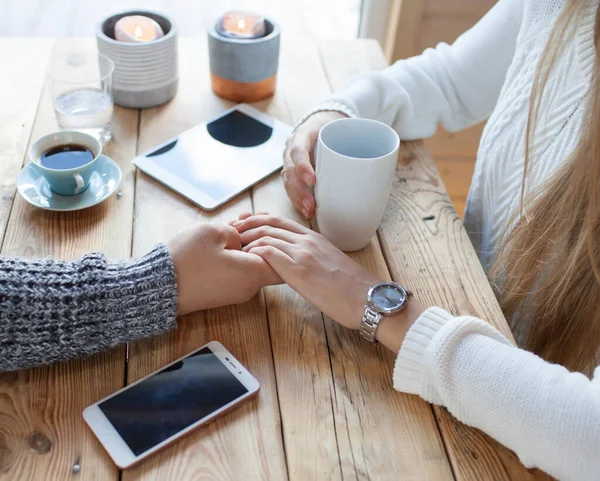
{"x":427,"y":248}
{"x":386,"y":435}
{"x":43,"y":433}
{"x":420,"y":217}
{"x":302,"y":364}
{"x":339,"y":414}
{"x":246,"y":443}
{"x":20,"y":88}
{"x":406,"y":443}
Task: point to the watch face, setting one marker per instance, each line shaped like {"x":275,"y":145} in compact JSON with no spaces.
{"x":387,"y":298}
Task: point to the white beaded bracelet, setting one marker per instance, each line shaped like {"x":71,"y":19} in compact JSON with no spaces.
{"x":328,"y":106}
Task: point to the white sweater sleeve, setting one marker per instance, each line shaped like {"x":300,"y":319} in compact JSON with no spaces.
{"x":456,"y":85}
{"x":548,"y":416}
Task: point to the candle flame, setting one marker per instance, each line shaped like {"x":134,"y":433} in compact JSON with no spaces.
{"x":241,"y":25}
{"x":138,"y":31}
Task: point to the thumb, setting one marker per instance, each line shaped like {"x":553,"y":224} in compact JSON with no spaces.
{"x":233,"y":239}
{"x":280,"y":262}
{"x":257,"y":268}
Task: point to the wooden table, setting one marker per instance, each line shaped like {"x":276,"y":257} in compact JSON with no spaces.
{"x":327,"y":409}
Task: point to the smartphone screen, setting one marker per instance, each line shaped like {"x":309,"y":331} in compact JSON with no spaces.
{"x":171,"y":400}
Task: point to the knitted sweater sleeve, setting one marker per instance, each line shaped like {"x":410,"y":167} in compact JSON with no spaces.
{"x":548,"y":416}
{"x":55,"y":310}
{"x":456,"y":85}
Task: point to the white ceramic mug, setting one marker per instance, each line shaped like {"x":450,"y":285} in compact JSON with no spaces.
{"x":355,"y":166}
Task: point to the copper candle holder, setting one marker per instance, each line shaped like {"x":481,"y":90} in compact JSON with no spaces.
{"x":244,"y":69}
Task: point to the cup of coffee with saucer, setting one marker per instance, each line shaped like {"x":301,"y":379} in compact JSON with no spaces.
{"x":67,"y":171}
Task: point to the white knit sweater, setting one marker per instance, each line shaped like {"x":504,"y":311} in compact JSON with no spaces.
{"x":549,"y":416}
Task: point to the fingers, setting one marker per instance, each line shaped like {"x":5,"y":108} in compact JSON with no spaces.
{"x":232,"y":238}
{"x":270,"y":220}
{"x":265,"y":231}
{"x":279,"y":261}
{"x":245,"y":215}
{"x":299,"y":174}
{"x":257,"y":267}
{"x":298,"y":192}
{"x":300,"y":154}
{"x":282,"y":245}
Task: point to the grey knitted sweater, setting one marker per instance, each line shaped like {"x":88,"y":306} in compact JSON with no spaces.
{"x":56,"y":310}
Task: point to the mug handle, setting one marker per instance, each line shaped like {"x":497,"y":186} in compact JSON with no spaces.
{"x":80,"y":183}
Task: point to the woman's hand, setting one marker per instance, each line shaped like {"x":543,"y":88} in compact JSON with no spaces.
{"x":212,"y":271}
{"x":322,"y":274}
{"x":298,"y":171}
{"x":311,"y":265}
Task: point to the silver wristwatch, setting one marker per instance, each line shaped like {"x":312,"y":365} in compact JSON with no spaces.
{"x":382,"y":300}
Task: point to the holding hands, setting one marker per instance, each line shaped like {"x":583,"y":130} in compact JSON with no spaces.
{"x":213,"y":271}
{"x":321,"y":273}
{"x":310,"y":264}
{"x":219,"y":265}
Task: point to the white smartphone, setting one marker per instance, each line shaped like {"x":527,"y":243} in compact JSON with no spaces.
{"x":153,"y":412}
{"x":217,"y":160}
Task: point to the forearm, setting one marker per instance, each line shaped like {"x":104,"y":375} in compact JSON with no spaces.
{"x":54,"y":310}
{"x":456,"y":85}
{"x":549,"y":416}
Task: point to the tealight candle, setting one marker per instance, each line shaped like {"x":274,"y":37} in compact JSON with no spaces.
{"x":137,"y":28}
{"x":241,"y":25}
{"x":243,"y":53}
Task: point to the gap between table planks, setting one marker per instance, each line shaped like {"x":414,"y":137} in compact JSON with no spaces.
{"x":253,"y":430}
{"x":246,"y":443}
{"x":42,"y":432}
{"x":305,"y":387}
{"x":448,"y":274}
{"x":381,"y":434}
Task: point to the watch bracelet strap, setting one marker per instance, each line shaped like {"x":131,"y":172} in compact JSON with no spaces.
{"x":371,"y":319}
{"x":369,"y":324}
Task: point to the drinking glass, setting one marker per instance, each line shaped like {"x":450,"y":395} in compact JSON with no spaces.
{"x":80,"y":85}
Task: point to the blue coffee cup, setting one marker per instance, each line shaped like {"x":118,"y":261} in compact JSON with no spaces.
{"x":68,"y":181}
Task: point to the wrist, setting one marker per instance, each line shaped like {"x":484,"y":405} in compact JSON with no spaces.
{"x":392,"y":329}
{"x":320,"y":118}
{"x":357,"y":308}
{"x":325,"y":116}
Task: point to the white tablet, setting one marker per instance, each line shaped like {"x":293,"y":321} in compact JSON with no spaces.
{"x":215,"y":161}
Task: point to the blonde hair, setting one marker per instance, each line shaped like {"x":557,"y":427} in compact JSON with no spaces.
{"x":548,"y":263}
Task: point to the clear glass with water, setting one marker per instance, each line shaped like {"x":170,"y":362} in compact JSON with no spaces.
{"x":80,"y":85}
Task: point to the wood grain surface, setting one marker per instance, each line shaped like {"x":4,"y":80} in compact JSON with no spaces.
{"x":301,"y":358}
{"x":42,"y":432}
{"x":21,"y":85}
{"x":245,"y":443}
{"x":327,"y":409}
{"x":427,"y":248}
{"x":381,"y":434}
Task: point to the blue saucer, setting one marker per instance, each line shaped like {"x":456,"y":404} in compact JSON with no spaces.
{"x":103,"y":183}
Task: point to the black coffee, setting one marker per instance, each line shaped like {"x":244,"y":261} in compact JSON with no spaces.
{"x":68,"y":156}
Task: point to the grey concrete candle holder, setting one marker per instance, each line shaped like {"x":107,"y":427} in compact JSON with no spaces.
{"x":244,"y":70}
{"x":146,"y":74}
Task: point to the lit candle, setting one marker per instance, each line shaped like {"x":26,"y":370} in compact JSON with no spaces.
{"x":137,"y":28}
{"x":242,"y":25}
